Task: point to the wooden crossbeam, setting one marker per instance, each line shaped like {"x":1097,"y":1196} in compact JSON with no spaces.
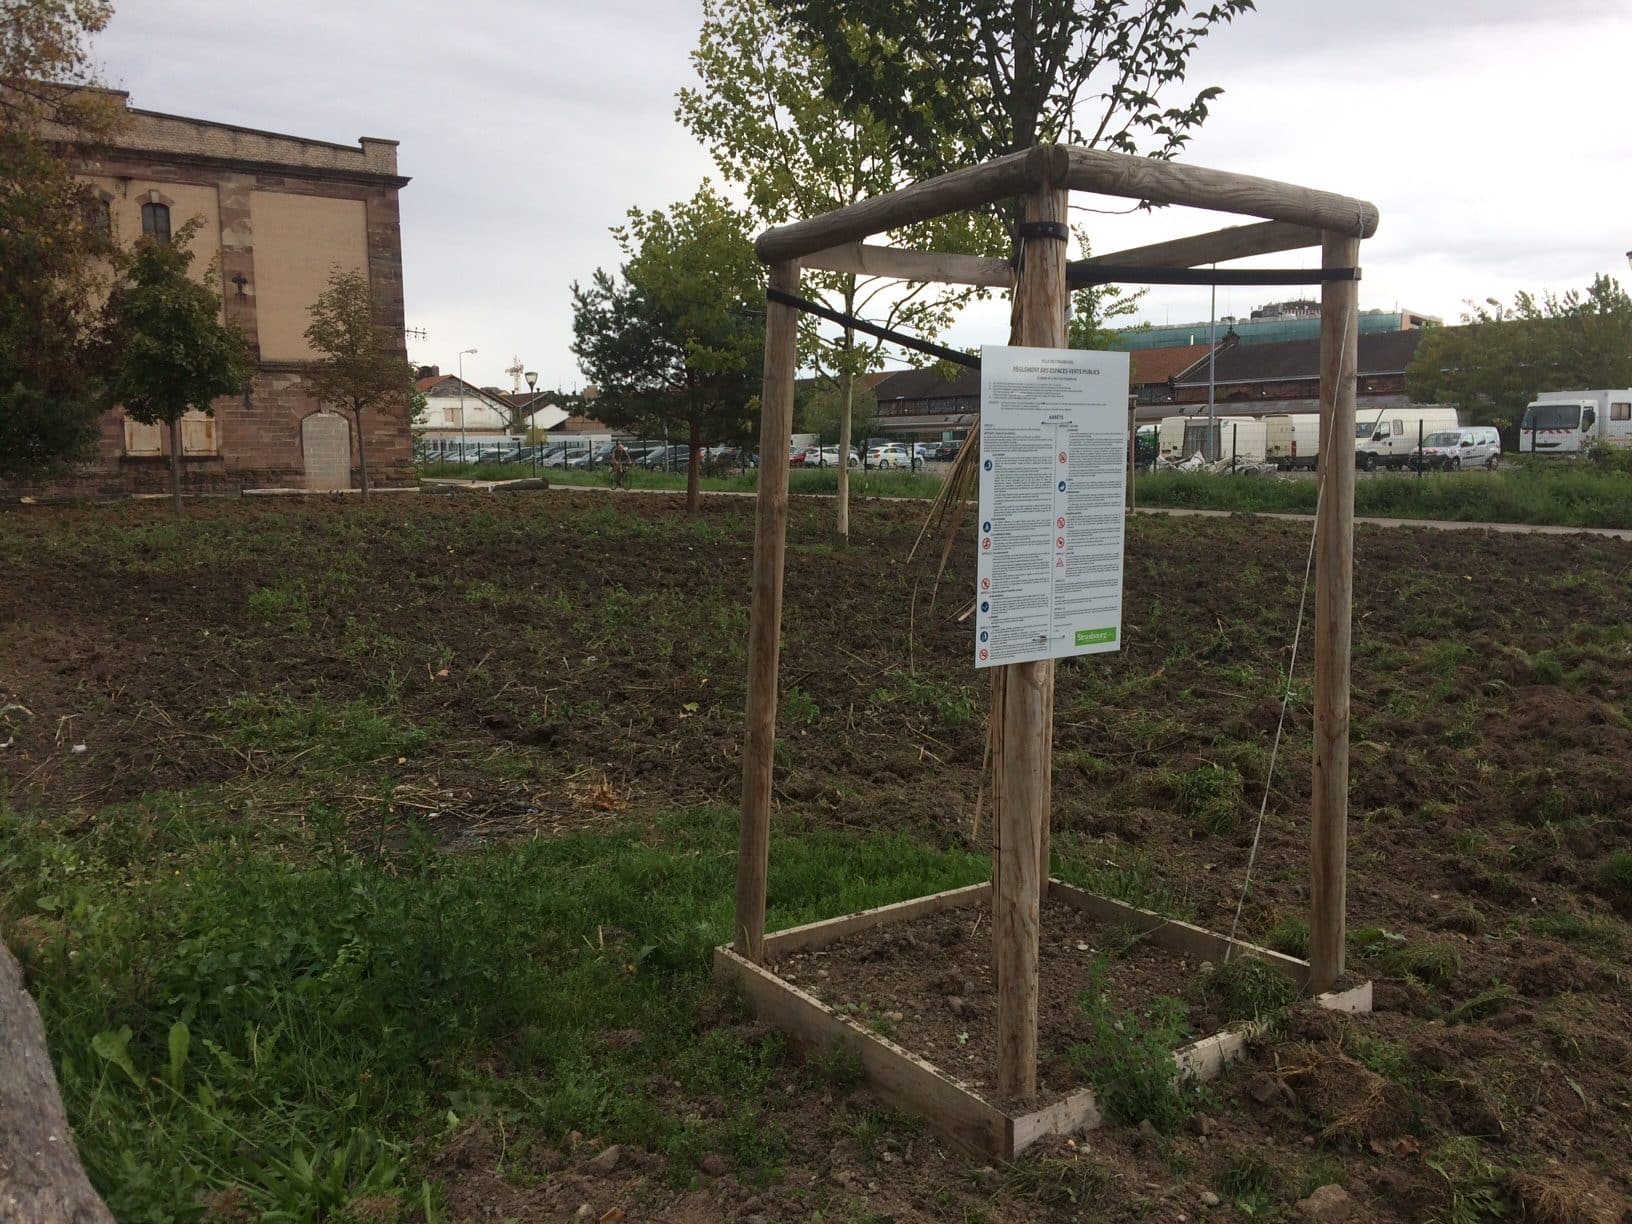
{"x":1219,"y":246}
{"x":1165,"y":182}
{"x":866,"y":259}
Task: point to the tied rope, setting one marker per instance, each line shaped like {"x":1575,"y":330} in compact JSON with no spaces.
{"x":1286,"y":692}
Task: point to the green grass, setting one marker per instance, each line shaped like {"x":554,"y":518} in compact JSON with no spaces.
{"x":1616,"y":875}
{"x":290,"y":1020}
{"x":1128,"y":1057}
{"x":1570,"y":495}
{"x":1246,"y":988}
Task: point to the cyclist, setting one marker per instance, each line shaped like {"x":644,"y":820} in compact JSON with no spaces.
{"x":620,"y":465}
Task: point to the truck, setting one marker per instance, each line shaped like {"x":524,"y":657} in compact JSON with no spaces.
{"x":1567,"y":422}
{"x":1387,"y":437}
{"x":1292,"y":439}
{"x":1239,"y":438}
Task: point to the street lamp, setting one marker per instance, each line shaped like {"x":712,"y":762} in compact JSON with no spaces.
{"x":532,"y":409}
{"x":462,"y":353}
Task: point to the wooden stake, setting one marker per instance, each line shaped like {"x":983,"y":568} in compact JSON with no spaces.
{"x":765,"y":620}
{"x":1334,"y":604}
{"x":1024,"y":705}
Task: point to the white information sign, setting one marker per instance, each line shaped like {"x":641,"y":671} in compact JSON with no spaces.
{"x":1053,"y":477}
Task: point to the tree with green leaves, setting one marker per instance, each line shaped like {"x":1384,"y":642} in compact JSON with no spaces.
{"x":56,"y":242}
{"x":1095,"y":308}
{"x":1503,"y":356}
{"x":361,"y":363}
{"x":170,"y":351}
{"x":676,"y":336}
{"x":961,"y":81}
{"x":763,"y":107}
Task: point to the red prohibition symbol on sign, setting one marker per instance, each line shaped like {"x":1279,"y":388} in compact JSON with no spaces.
{"x":986,"y":544}
{"x":1060,"y":523}
{"x":1059,"y":541}
{"x":1062,"y":456}
{"x":985,"y":584}
{"x":984,"y":655}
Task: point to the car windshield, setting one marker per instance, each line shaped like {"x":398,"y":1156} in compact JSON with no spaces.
{"x":1364,"y":429}
{"x":1442,"y":439}
{"x":1552,"y":416}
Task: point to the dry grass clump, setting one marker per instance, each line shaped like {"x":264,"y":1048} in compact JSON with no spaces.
{"x":1351,"y":1100}
{"x":1562,"y":1195}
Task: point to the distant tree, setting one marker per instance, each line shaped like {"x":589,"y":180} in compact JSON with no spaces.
{"x":170,"y":351}
{"x":764,"y":110}
{"x":962,"y":81}
{"x":676,"y":336}
{"x":361,"y":364}
{"x":821,"y":410}
{"x":56,"y":238}
{"x":1502,"y":356}
{"x":1094,"y":308}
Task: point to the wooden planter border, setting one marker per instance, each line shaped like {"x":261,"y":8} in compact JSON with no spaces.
{"x":951,"y":1107}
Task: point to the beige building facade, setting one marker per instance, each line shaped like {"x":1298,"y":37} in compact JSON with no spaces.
{"x":275,"y":214}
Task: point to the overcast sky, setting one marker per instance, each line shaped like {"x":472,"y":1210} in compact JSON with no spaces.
{"x":1491,"y":134}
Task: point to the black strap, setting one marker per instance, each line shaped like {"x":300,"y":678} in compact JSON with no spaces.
{"x":1081,"y":273}
{"x":1057,"y":230}
{"x":873,"y":329}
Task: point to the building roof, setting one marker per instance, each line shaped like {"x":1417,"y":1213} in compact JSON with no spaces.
{"x":1380,"y":353}
{"x":1157,"y":365}
{"x":928,"y":383}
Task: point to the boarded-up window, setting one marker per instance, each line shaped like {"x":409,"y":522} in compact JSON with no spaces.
{"x":142,"y":439}
{"x":198,"y":434}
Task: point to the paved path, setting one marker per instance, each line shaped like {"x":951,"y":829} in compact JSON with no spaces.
{"x":1613,"y":533}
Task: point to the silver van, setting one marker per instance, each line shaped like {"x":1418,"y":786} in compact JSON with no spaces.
{"x":1467,"y":446}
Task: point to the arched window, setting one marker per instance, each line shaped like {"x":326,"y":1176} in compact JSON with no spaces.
{"x":156,"y":221}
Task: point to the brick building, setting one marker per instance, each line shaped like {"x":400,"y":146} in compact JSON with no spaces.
{"x":1255,"y":379}
{"x":276,"y":214}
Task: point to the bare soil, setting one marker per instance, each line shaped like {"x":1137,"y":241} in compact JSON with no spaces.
{"x":928,"y":985}
{"x":571,"y":659}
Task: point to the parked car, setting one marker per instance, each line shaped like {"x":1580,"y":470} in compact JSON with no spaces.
{"x":946,"y":452}
{"x":734,"y":456}
{"x":1466,"y":446}
{"x":667,"y":458}
{"x":892,"y":455}
{"x":796,"y":456}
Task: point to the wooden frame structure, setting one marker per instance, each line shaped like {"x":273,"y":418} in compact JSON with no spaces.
{"x":1041,"y":179}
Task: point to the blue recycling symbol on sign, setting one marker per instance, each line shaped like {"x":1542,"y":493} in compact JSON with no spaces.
{"x":986,"y":526}
{"x":988,"y":465}
{"x":984,"y":635}
{"x":985,"y":605}
{"x":1062,"y":486}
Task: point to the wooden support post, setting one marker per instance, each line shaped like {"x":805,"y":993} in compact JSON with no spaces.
{"x":765,"y":620}
{"x":1024,"y":704}
{"x":1334,"y":603}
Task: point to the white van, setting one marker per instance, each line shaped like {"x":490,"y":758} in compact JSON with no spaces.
{"x":1465,"y":447}
{"x":1387,"y":437}
{"x":1292,"y":439}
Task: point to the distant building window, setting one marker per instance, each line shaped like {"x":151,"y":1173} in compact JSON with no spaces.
{"x":141,"y":439}
{"x":156,"y":221}
{"x":1620,"y":412}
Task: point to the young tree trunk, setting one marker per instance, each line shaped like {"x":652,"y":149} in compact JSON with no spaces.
{"x":362,"y":455}
{"x":694,"y":467}
{"x":175,"y":464}
{"x":847,"y":397}
{"x":847,"y":394}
